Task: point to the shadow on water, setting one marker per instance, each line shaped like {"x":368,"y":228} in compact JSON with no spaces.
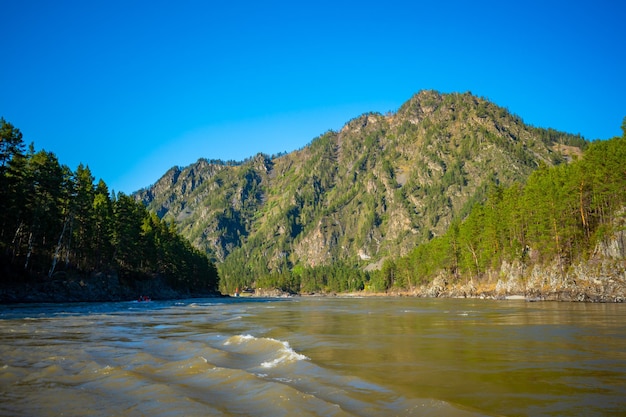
{"x":43,"y":310}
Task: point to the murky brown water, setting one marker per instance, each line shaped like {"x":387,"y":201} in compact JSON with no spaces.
{"x":313,"y":356}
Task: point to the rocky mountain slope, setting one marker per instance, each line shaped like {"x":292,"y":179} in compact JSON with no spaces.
{"x":375,"y":189}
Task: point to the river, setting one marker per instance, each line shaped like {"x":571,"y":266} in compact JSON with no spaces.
{"x":313,"y":356}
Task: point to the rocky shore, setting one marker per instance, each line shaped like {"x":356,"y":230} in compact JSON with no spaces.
{"x":602,"y":278}
{"x":591,"y":282}
{"x":595,"y":281}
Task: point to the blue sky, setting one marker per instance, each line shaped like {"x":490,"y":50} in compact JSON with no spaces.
{"x":132,"y":88}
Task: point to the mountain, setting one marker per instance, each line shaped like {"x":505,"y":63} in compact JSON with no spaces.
{"x":374,"y":190}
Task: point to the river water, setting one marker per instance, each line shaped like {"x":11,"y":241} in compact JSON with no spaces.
{"x":313,"y":357}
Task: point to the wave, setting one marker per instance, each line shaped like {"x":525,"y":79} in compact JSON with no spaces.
{"x":178,"y":361}
{"x":269,"y":352}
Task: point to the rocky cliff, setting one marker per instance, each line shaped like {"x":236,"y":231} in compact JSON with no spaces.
{"x":375,"y":189}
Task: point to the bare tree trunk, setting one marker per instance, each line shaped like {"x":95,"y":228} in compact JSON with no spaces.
{"x":69,"y":244}
{"x":30,"y":249}
{"x":473,"y":252}
{"x":558,"y":246}
{"x":17,"y":233}
{"x":58,"y":249}
{"x":582,"y":210}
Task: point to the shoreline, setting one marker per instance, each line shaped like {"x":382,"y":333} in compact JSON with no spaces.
{"x":576,"y":297}
{"x":96,"y":287}
{"x":599,"y":282}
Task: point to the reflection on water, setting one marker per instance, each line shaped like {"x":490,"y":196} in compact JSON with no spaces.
{"x":313,"y":356}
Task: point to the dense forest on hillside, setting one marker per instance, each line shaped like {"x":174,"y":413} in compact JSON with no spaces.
{"x":323,"y":217}
{"x":560,"y":215}
{"x":56,"y":223}
{"x":450,"y":188}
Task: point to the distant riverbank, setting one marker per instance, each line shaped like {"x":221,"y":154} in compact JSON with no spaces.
{"x":600,"y":281}
{"x":96,"y":287}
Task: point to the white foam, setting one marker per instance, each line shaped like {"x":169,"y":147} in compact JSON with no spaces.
{"x":275,"y":351}
{"x":287,"y":355}
{"x":239,"y":339}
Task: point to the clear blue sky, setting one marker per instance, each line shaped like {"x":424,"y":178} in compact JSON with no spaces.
{"x":131,"y":88}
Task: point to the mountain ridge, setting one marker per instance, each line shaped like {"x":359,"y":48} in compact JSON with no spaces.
{"x":375,"y":189}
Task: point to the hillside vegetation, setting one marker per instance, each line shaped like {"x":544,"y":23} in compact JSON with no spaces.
{"x":344,"y":212}
{"x":565,"y":224}
{"x":65,"y":238}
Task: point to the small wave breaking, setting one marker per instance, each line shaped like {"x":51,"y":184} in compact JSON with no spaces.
{"x":270,"y":352}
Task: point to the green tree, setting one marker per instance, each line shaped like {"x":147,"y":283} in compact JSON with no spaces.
{"x":12,"y":172}
{"x":50,"y":214}
{"x":11,"y":144}
{"x":103,"y":225}
{"x":42,"y":213}
{"x":127,"y":233}
{"x":83,"y":217}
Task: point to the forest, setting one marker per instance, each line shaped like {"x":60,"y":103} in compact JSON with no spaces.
{"x":57,"y":223}
{"x":325,"y":217}
{"x":559,"y":215}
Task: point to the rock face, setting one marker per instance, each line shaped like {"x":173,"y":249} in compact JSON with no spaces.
{"x":603,"y":281}
{"x":377,"y":188}
{"x":600,"y":279}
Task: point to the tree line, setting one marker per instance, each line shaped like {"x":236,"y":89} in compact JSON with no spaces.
{"x":558,"y":216}
{"x":55,"y":220}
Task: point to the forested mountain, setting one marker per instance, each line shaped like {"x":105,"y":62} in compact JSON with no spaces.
{"x":565,"y":224}
{"x":58,"y":225}
{"x":320,"y":217}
